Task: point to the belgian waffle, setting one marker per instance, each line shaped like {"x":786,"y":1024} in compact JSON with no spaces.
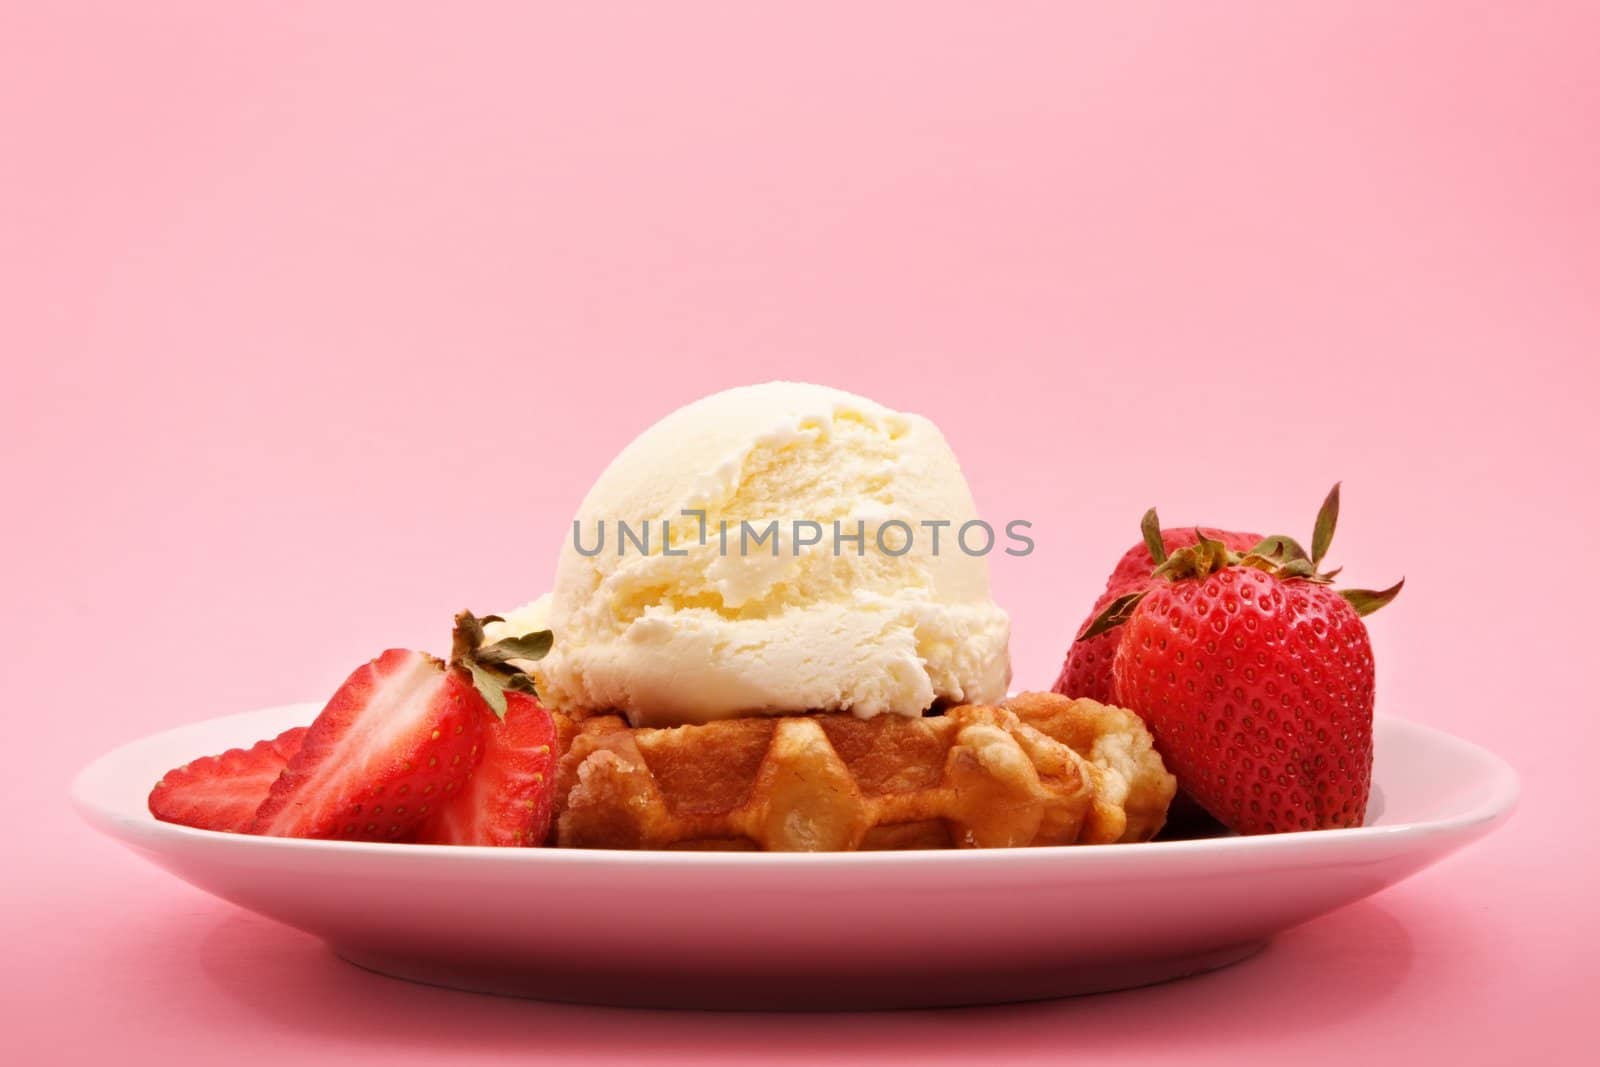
{"x":1041,"y":770}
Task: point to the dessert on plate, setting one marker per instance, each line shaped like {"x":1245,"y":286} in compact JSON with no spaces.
{"x":772,"y":629}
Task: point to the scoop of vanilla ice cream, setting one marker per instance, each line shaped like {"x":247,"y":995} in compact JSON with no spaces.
{"x":704,"y":626}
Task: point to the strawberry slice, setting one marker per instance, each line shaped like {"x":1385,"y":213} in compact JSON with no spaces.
{"x":510,"y":797}
{"x":400,"y":737}
{"x":223,"y":792}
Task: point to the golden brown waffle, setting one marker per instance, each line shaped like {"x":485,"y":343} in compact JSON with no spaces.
{"x":1132,"y":786}
{"x":1046,"y":771}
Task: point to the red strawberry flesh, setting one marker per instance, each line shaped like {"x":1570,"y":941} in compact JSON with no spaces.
{"x":509,"y":799}
{"x":401,"y":736}
{"x":223,"y":792}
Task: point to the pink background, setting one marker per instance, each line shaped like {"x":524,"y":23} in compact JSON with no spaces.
{"x":318,"y":319}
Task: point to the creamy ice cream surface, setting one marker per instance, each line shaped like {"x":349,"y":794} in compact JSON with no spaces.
{"x":776,"y":595}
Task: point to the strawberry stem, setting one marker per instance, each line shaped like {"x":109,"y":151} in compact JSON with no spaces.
{"x":490,"y":665}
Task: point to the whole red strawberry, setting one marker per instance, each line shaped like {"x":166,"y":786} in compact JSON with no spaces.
{"x":1256,"y":679}
{"x":1087,"y":669}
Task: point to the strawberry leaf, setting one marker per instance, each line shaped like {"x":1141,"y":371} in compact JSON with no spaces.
{"x":1279,"y":548}
{"x":489,"y":686}
{"x":490,"y":665}
{"x":1301,"y":568}
{"x":528,"y":646}
{"x":522,"y":683}
{"x":1150,"y":526}
{"x":1115,"y":614}
{"x":1327,"y":521}
{"x":1365,"y":601}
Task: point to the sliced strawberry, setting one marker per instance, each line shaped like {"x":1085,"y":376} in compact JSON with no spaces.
{"x":401,"y":736}
{"x":223,"y":792}
{"x":509,"y":799}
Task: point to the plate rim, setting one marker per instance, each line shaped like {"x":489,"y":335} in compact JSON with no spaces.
{"x":145,"y":830}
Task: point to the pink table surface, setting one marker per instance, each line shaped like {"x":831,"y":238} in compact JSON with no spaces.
{"x":318,"y":320}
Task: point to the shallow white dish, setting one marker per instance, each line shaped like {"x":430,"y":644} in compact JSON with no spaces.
{"x":787,"y":931}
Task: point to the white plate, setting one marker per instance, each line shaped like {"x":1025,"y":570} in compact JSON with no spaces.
{"x":840,"y":930}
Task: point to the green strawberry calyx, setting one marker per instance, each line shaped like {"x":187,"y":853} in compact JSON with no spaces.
{"x":490,"y":663}
{"x":1279,"y":555}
